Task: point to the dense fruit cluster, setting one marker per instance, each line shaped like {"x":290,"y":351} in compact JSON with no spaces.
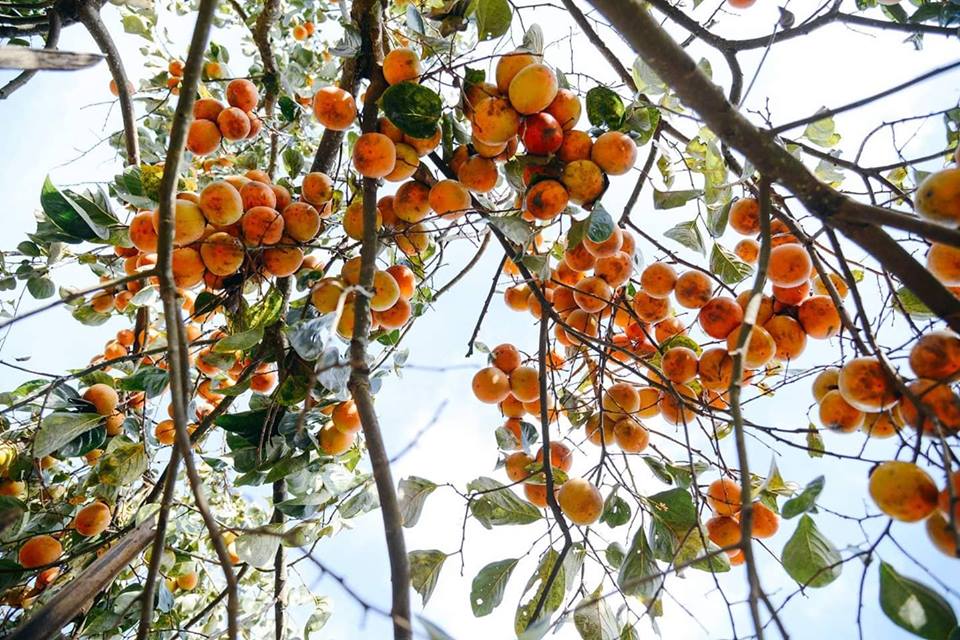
{"x":214,"y":122}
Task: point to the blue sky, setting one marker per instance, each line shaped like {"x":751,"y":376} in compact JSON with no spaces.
{"x":54,"y":123}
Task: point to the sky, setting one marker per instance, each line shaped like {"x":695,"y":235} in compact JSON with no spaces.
{"x":59,"y":117}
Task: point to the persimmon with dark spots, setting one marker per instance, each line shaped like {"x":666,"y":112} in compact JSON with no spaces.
{"x":478,"y":174}
{"x":317,"y":188}
{"x":334,"y":108}
{"x":819,"y":317}
{"x":412,"y":201}
{"x":261,"y":226}
{"x":692,"y":289}
{"x":745,"y":216}
{"x":584,"y":181}
{"x":936,"y":355}
{"x":561,"y":457}
{"x":720,"y":316}
{"x":374,"y":155}
{"x":257,"y":194}
{"x":221,"y":203}
{"x":648,"y":308}
{"x":865,"y":384}
{"x":541,"y":134}
{"x":937,"y":400}
{"x":679,"y":364}
{"x":576,"y":145}
{"x":401,"y":65}
{"x":495,"y":120}
{"x":234,"y":124}
{"x":837,"y":414}
{"x":788,"y":336}
{"x":546,"y":199}
{"x":789,"y":265}
{"x":203,"y":137}
{"x":715,"y":369}
{"x":301,"y":221}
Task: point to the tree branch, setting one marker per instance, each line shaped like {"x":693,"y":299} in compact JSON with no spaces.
{"x":359,"y":384}
{"x":50,"y":43}
{"x":90,"y":17}
{"x":177,"y":347}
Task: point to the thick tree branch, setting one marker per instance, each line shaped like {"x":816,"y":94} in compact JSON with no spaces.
{"x":49,"y":621}
{"x":359,"y":384}
{"x":177,"y":348}
{"x":90,"y":17}
{"x":848,"y":216}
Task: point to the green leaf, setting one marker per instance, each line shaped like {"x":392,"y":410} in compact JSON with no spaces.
{"x":615,"y":553}
{"x":912,"y":304}
{"x":594,"y":619}
{"x":616,"y":511}
{"x":425,"y":568}
{"x":554,"y":598}
{"x":59,"y":428}
{"x":642,"y":120}
{"x":40,"y":287}
{"x":717,"y":218}
{"x":84,"y":443}
{"x":87,"y":316}
{"x":151,"y":380}
{"x":822,"y":132}
{"x":263,"y":313}
{"x":67,"y":215}
{"x":674,"y":199}
{"x":413,"y":494}
{"x":514,"y":228}
{"x":123,"y":463}
{"x":727,"y":266}
{"x":413,"y":108}
{"x":600,"y":224}
{"x":242,"y":341}
{"x":258,"y":549}
{"x":646,"y":79}
{"x":604,"y":107}
{"x":674,"y":507}
{"x":809,"y":557}
{"x":805,"y":501}
{"x":914,"y":606}
{"x":638,"y":573}
{"x":815,"y":445}
{"x":293,"y":161}
{"x":486,"y":590}
{"x":493,"y":18}
{"x":499,"y":505}
{"x":687,"y":234}
{"x":135,"y":24}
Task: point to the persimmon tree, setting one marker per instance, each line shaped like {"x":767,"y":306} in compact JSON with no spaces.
{"x":273,"y":233}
